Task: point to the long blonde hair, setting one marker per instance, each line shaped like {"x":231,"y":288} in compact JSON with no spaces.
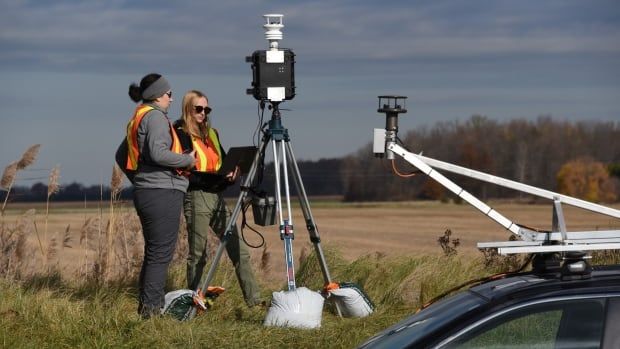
{"x":190,"y":126}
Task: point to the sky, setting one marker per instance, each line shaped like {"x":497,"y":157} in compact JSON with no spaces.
{"x":65,"y":68}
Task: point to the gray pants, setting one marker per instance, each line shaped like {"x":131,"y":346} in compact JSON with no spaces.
{"x":160,"y":214}
{"x":206,"y":211}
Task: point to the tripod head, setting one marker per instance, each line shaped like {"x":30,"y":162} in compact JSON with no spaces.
{"x":276,"y":130}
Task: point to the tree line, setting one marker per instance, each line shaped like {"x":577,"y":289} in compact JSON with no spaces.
{"x":579,"y":158}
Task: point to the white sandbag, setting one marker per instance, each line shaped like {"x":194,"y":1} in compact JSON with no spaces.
{"x":351,"y":301}
{"x":300,"y":308}
{"x":179,"y":304}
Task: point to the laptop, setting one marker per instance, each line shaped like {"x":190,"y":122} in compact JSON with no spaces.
{"x":238,"y":156}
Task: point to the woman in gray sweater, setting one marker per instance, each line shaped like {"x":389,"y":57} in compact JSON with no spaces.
{"x":156,"y":156}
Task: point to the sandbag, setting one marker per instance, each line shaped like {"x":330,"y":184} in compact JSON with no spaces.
{"x":185,"y":304}
{"x":301,"y":308}
{"x":350,"y":299}
{"x":179,"y":304}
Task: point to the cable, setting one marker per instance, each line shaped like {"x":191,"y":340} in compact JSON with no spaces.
{"x":403,"y":175}
{"x":396,"y":171}
{"x":244,"y":223}
{"x":260,"y":111}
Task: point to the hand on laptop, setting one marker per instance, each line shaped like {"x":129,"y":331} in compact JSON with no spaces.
{"x":232,"y":176}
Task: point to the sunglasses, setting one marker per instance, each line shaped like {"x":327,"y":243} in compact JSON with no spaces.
{"x":169,"y":93}
{"x":199,"y":109}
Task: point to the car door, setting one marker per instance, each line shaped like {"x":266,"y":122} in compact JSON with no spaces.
{"x":577,"y":322}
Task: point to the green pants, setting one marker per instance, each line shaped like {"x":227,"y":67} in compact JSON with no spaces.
{"x":207,"y":211}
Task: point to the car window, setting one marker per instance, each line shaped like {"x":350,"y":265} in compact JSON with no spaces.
{"x":560,"y":324}
{"x":611,"y":337}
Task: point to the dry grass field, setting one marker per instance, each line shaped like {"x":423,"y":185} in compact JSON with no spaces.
{"x":353,"y":230}
{"x":92,"y":306}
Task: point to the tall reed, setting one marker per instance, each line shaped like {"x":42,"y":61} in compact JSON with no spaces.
{"x":8,"y":178}
{"x":115,"y":190}
{"x":52,"y":188}
{"x":29,"y":157}
{"x":10,"y":172}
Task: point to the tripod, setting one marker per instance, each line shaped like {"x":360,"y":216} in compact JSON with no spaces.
{"x":278,"y":137}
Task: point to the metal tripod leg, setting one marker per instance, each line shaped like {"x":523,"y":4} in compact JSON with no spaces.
{"x":305,"y":206}
{"x":313,"y":231}
{"x":286,"y":224}
{"x":235,"y":213}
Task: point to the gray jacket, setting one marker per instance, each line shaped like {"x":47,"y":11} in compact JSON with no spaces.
{"x":157,"y":164}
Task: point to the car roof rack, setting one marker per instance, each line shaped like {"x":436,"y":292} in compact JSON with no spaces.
{"x":570,"y":245}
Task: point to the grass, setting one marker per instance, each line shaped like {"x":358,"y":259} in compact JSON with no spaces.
{"x":44,"y":306}
{"x":48,"y":311}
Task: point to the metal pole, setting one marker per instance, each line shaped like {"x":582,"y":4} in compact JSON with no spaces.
{"x":313,"y":231}
{"x":310,"y":224}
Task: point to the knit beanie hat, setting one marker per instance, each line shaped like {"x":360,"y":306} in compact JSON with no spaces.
{"x":156,"y":89}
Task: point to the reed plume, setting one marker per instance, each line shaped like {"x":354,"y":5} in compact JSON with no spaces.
{"x":10,"y":172}
{"x":52,"y":188}
{"x":29,"y":157}
{"x":8,"y":178}
{"x":117,"y":181}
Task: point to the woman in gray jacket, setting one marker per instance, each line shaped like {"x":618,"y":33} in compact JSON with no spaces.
{"x":155,"y":154}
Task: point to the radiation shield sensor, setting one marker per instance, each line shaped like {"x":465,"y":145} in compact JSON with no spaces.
{"x":273,"y":76}
{"x":391,"y":106}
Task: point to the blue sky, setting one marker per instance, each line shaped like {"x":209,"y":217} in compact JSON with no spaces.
{"x":65,"y":67}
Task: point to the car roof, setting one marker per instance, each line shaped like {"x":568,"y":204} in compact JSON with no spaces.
{"x":528,"y":284}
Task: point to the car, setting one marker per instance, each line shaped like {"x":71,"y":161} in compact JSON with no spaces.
{"x":556,"y":305}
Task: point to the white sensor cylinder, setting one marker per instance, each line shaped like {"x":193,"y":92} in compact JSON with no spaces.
{"x":272,"y":26}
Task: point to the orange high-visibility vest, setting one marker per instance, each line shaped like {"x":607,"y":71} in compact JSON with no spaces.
{"x":209,"y":155}
{"x":133,"y":153}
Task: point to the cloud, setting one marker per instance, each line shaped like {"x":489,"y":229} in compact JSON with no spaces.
{"x":179,"y":36}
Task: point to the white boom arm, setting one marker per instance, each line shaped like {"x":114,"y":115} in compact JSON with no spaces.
{"x":532,"y":241}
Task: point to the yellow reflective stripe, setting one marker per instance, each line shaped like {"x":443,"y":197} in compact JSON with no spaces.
{"x":176,"y":143}
{"x":133,"y":152}
{"x":202,"y":162}
{"x":218,"y":148}
{"x":208,"y":154}
{"x":131,"y":156}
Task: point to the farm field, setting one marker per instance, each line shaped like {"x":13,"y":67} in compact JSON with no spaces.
{"x":352,"y":229}
{"x":389,"y":249}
